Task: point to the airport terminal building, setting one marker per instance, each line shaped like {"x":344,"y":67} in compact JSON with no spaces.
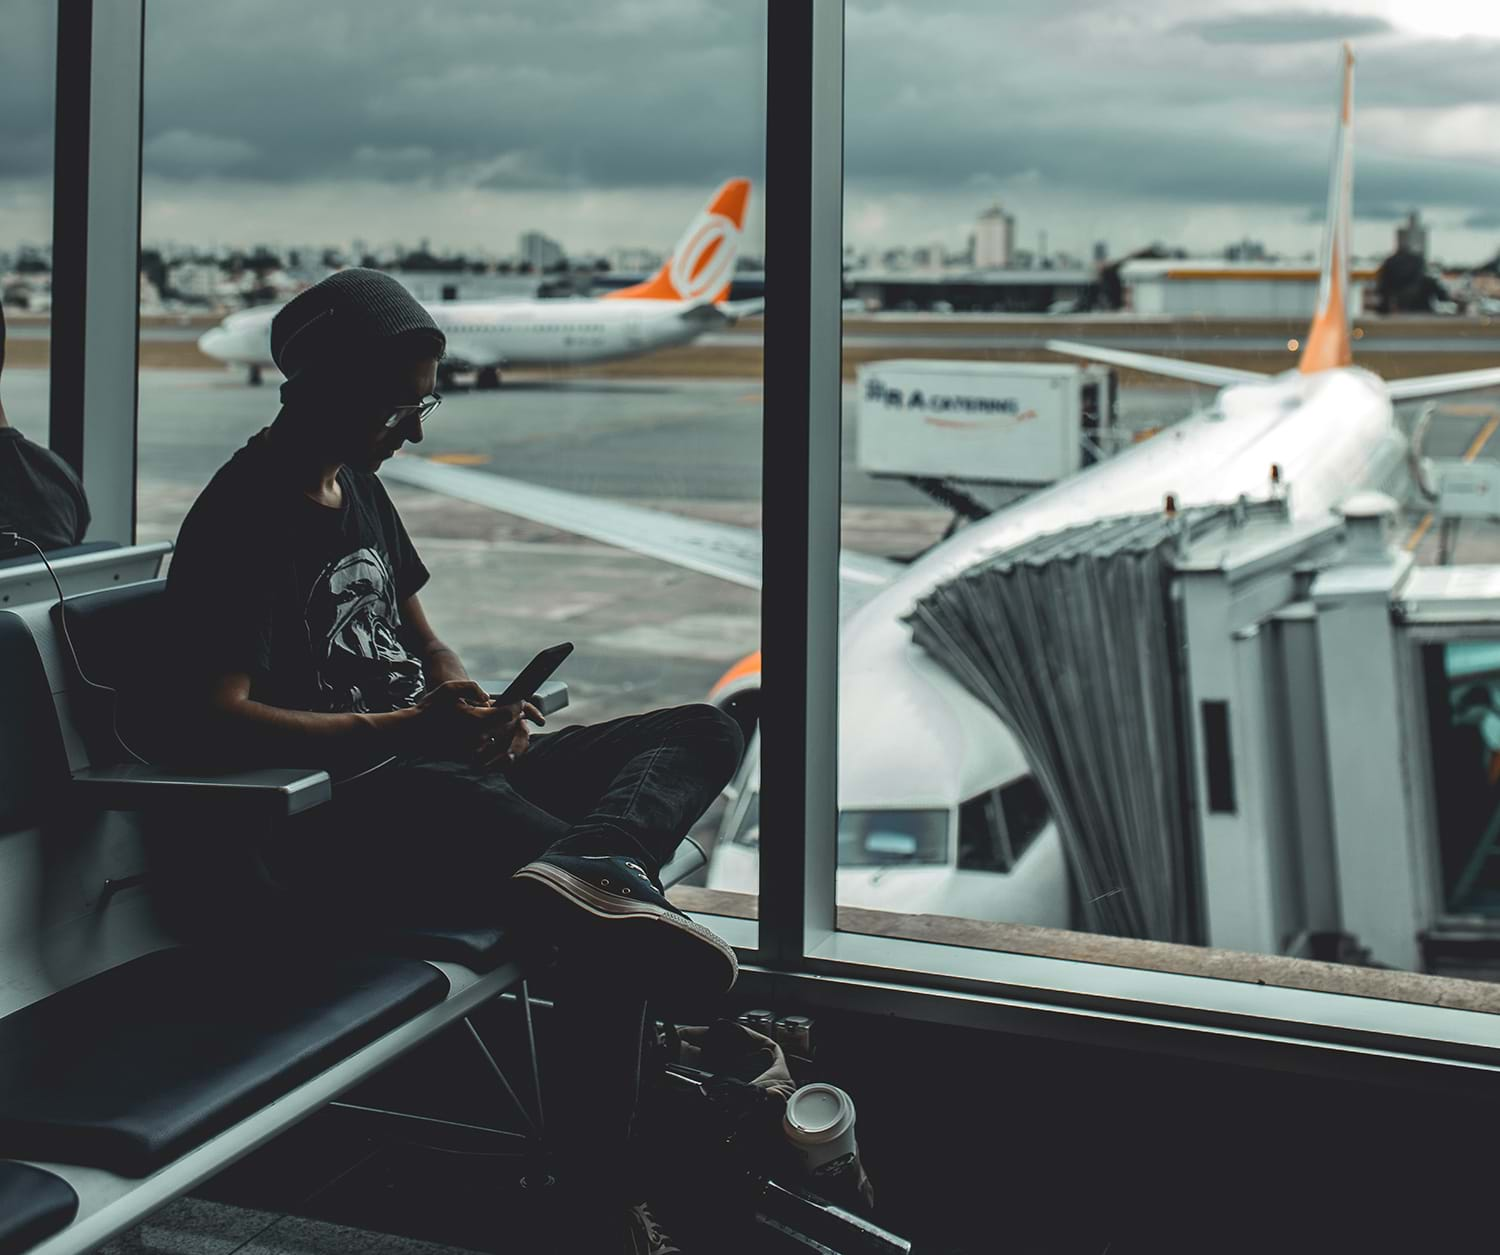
{"x":1220,"y":289}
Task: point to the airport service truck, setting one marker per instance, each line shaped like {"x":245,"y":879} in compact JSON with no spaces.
{"x":1024,"y":423}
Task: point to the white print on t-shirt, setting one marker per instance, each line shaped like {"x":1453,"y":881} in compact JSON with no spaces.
{"x":358,"y":660}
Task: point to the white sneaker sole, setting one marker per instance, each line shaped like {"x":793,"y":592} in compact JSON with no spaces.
{"x":614,"y":908}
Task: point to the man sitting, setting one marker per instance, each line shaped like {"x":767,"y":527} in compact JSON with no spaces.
{"x":300,"y":639}
{"x":41,"y":497}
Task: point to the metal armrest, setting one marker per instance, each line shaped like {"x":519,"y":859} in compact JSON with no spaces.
{"x":267,"y":792}
{"x":550,"y":698}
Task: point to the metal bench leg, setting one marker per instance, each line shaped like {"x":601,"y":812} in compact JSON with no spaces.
{"x":536,"y":1074}
{"x":500,"y":1076}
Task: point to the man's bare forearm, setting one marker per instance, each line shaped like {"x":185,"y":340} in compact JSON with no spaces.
{"x":442,"y":664}
{"x":254,"y":732}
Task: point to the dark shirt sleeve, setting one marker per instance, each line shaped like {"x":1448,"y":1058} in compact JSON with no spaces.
{"x":410,"y":572}
{"x":220,"y":595}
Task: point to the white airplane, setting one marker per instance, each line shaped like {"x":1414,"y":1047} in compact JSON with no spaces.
{"x":685,"y":298}
{"x":946,"y":818}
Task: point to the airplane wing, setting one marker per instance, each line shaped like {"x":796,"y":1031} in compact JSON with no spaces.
{"x":1171,"y":367}
{"x":462,"y":354}
{"x":1441,"y":385}
{"x":735,"y":310}
{"x":723,"y":313}
{"x":718,"y":549}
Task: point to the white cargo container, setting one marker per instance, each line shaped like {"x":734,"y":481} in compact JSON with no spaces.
{"x":994,"y":422}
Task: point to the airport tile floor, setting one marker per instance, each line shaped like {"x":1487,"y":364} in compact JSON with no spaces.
{"x":325,"y":1189}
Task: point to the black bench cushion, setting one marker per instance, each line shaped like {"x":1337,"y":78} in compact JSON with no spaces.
{"x":33,"y":1205}
{"x":131,"y":1068}
{"x":33,"y":765}
{"x":479,"y":948}
{"x":115,"y":629}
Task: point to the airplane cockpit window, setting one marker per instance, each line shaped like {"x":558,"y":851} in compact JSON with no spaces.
{"x":1026,"y":813}
{"x":999,"y":825}
{"x":878,"y":838}
{"x":983,"y":843}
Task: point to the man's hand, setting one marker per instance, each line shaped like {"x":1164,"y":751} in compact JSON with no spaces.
{"x":457,"y":719}
{"x":505,"y":742}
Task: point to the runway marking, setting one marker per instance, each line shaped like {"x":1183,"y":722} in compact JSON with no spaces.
{"x":460,"y":459}
{"x":1476,"y":447}
{"x":1418,"y":532}
{"x":1483,"y":438}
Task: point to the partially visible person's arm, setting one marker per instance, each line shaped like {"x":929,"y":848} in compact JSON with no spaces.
{"x":439,"y":661}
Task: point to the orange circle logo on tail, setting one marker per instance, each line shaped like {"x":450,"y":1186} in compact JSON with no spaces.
{"x":704,"y":262}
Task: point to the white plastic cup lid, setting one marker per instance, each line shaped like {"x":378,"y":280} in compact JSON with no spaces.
{"x":819,"y":1112}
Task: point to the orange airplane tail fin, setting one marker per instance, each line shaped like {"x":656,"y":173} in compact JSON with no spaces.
{"x":1328,"y":343}
{"x":701,"y":267}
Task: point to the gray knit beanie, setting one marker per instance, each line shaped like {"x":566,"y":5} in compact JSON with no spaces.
{"x":342,"y":321}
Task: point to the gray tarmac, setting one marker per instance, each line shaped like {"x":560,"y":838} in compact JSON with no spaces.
{"x":647,"y":633}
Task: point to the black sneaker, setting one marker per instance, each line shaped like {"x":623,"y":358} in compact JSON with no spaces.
{"x":645,"y":1236}
{"x":610,"y":906}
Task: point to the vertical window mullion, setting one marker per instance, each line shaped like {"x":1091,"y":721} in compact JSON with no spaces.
{"x":803,"y":392}
{"x":96,"y":254}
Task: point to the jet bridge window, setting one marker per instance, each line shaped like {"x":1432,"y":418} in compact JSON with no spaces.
{"x":996,"y":828}
{"x":1463,"y":720}
{"x":877,"y":838}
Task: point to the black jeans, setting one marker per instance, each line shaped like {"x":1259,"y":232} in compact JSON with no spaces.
{"x":433,"y":840}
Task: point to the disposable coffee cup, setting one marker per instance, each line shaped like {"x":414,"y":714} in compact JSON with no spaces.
{"x":819,"y":1124}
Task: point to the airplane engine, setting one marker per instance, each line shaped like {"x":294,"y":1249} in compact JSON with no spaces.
{"x":737,"y":694}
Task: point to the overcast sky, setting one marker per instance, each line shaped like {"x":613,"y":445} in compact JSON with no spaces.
{"x":607,"y":122}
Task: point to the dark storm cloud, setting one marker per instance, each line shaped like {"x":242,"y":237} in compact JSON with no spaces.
{"x":1114,"y":159}
{"x":1484,"y":220}
{"x":1098,"y":102}
{"x":1284,"y":26}
{"x":634,"y":93}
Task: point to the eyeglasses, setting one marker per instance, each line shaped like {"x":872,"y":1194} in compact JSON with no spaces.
{"x":421,"y":409}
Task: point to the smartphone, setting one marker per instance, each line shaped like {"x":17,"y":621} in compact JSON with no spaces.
{"x":536,"y":673}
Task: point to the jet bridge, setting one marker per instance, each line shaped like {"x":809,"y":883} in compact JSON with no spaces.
{"x":1258,"y":732}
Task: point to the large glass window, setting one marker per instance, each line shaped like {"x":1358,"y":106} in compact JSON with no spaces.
{"x":575,"y":191}
{"x":28,"y":67}
{"x":1083,"y":248}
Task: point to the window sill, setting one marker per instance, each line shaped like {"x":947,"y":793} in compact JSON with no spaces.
{"x":965,"y":971}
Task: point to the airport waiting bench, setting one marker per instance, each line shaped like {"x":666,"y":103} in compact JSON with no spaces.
{"x":137,"y":1060}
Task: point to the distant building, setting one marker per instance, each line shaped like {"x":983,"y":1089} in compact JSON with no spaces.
{"x":540,"y":251}
{"x":634,"y":260}
{"x":1411,"y":236}
{"x":1101,"y":252}
{"x":994,"y":239}
{"x":928,"y":256}
{"x":1220,"y":289}
{"x":1012,"y":291}
{"x":1245,"y":250}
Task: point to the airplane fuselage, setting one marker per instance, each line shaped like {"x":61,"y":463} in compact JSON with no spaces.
{"x":1329,"y":433}
{"x":501,"y":334}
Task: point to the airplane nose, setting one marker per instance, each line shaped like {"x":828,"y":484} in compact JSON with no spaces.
{"x":211,"y":342}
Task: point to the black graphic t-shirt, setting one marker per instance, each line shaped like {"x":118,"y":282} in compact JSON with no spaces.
{"x":303,"y":598}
